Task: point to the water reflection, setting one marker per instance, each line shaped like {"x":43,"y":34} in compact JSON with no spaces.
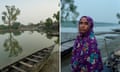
{"x":11,"y":44}
{"x":50,"y":33}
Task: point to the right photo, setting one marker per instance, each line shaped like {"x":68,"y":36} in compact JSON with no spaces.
{"x":90,"y":36}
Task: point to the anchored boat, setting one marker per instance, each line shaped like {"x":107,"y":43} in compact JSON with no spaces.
{"x":31,"y":63}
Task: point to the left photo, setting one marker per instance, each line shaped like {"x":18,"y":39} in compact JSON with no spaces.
{"x":29,"y":36}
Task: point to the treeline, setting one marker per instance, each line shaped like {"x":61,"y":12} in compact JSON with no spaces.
{"x":9,"y":18}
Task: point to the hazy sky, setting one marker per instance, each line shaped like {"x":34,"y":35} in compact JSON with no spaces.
{"x":36,"y":10}
{"x":99,"y":10}
{"x":31,"y":10}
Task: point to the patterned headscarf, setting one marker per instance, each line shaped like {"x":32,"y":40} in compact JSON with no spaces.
{"x":85,"y":53}
{"x":90,"y":23}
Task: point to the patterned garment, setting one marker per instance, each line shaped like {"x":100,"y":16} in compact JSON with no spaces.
{"x":85,"y":54}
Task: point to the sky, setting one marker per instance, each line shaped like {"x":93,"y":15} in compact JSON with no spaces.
{"x":36,"y":10}
{"x":99,"y":10}
{"x":32,"y":11}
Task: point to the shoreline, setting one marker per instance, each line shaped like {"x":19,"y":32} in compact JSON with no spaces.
{"x":72,"y":35}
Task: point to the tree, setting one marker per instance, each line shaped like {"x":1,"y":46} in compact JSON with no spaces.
{"x":56,"y":16}
{"x":118,"y":16}
{"x":41,"y":22}
{"x":48,"y":22}
{"x":16,"y":25}
{"x":68,"y":10}
{"x":10,"y":16}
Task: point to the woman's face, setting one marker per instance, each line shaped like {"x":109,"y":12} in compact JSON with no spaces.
{"x":83,"y":25}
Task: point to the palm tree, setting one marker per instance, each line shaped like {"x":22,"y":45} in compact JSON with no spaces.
{"x":10,"y":16}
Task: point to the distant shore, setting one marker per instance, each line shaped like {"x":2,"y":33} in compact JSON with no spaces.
{"x":67,"y":35}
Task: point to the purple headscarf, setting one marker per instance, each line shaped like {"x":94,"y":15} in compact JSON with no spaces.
{"x":90,"y":22}
{"x":85,"y":54}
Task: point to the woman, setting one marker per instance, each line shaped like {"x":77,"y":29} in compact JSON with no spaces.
{"x":85,"y":54}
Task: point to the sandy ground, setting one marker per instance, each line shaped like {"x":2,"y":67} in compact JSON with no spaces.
{"x":52,"y":64}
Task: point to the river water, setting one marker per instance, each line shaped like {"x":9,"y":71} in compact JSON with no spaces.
{"x":17,"y":45}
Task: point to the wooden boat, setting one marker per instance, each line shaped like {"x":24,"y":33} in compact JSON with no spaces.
{"x":31,"y":63}
{"x":68,"y":45}
{"x":66,"y":52}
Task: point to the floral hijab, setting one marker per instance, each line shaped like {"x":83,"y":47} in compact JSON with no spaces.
{"x":85,"y":54}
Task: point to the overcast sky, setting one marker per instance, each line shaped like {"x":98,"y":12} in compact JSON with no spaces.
{"x":36,"y":10}
{"x":99,"y":10}
{"x":31,"y":10}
